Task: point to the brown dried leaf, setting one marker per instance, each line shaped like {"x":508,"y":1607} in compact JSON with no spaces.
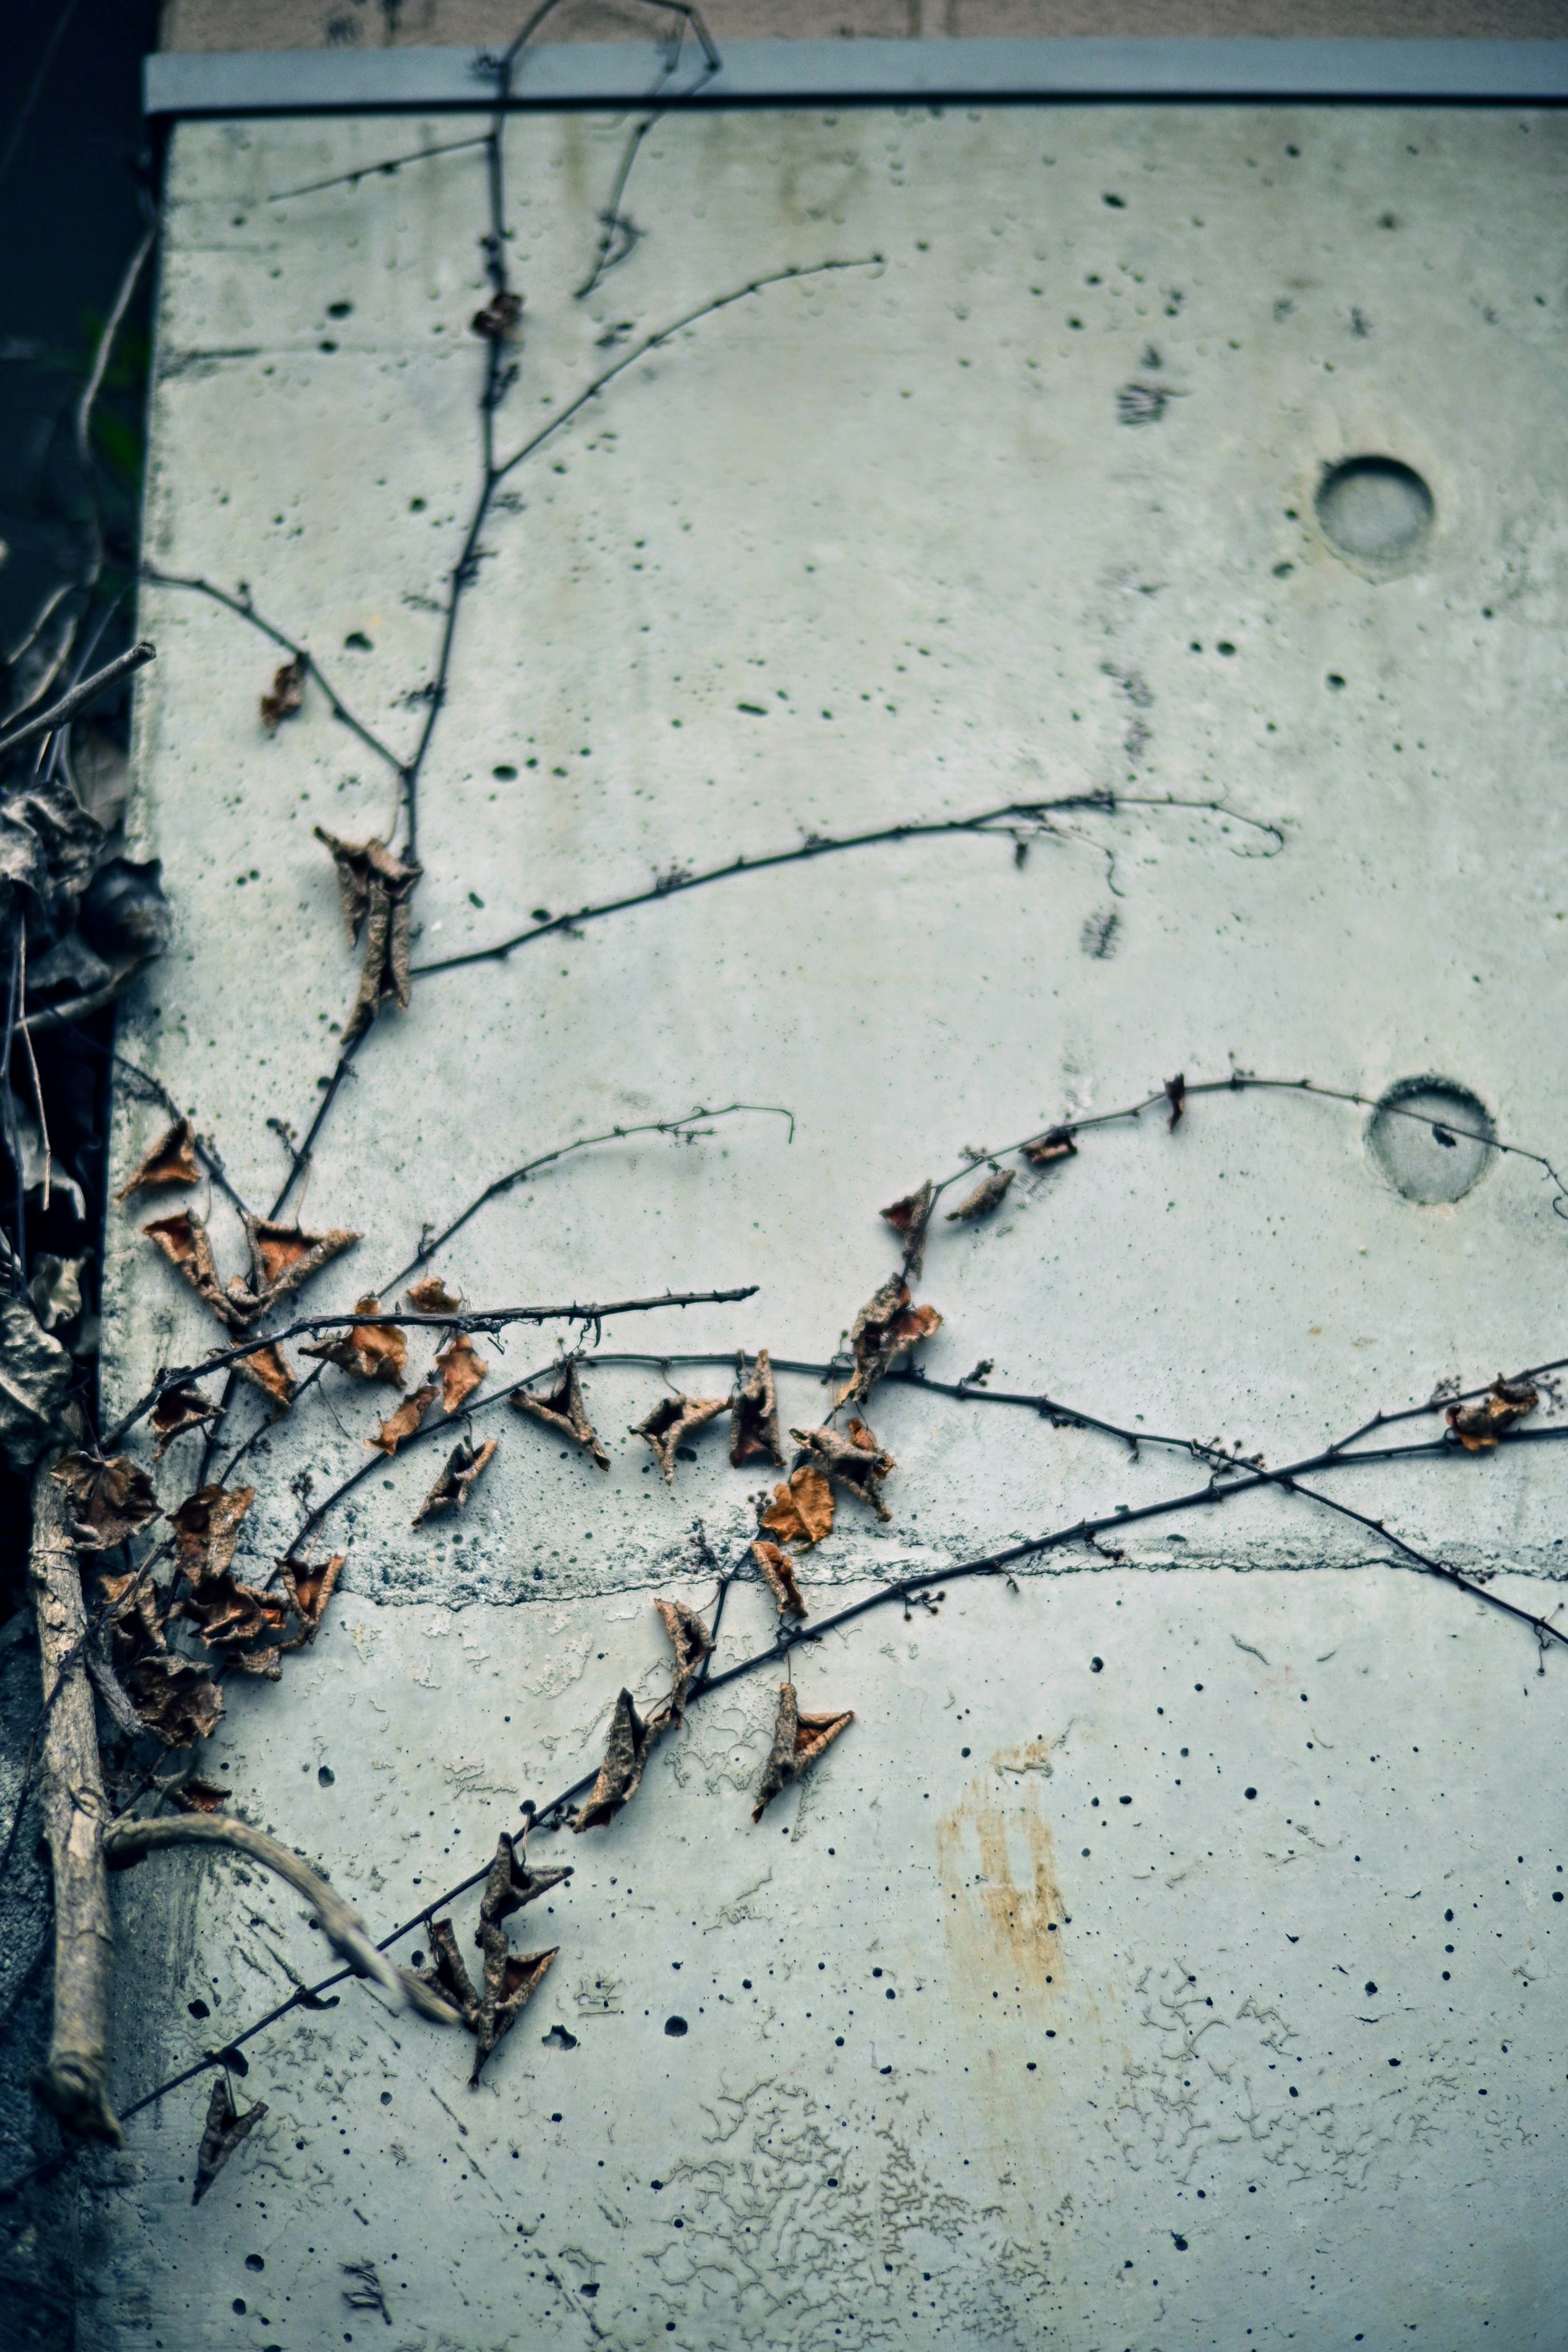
{"x":287,"y":693}
{"x":268,"y":1370}
{"x":691,"y":1643}
{"x":856,"y":1461}
{"x":798,"y":1740}
{"x":196,"y":1795}
{"x":802,"y":1511}
{"x":497,"y":322}
{"x":1176,"y":1096}
{"x":779,"y":1569}
{"x":908,"y":1215}
{"x":754,"y":1416}
{"x":403,"y":1423}
{"x":1048,"y":1149}
{"x":226,"y":1613}
{"x":112,"y":1499}
{"x":672,"y":1419}
{"x":432,"y":1297}
{"x":283,"y":1258}
{"x":887,"y":1327}
{"x":1478,"y":1425}
{"x":563,"y":1412}
{"x":176,"y":1411}
{"x":462,"y":1371}
{"x":374,"y":888}
{"x":371,"y":1351}
{"x":630,"y":1743}
{"x":172,"y":1160}
{"x":987,"y":1195}
{"x":464,"y":1466}
{"x":221,"y":2135}
{"x":182,"y":1238}
{"x":309,"y":1587}
{"x":206,"y":1529}
{"x":259,"y":1661}
{"x":175,"y":1698}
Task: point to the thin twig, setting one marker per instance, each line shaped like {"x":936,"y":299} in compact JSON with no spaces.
{"x":79,"y":697}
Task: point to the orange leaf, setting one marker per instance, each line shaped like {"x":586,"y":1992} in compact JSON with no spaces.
{"x":1479,"y":1424}
{"x":887,"y":1327}
{"x":1058,"y":1145}
{"x":172,"y":1160}
{"x":432,"y":1297}
{"x":309,"y":1588}
{"x":856,"y":1461}
{"x":371,"y":1351}
{"x":283,"y":1257}
{"x":403,"y":1423}
{"x":779,"y":1569}
{"x":802,"y":1511}
{"x":798,"y":1740}
{"x":462,"y":1371}
{"x":268,"y":1370}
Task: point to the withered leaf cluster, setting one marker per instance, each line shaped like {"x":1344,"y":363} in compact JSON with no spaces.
{"x":431,"y":1297}
{"x":987,"y":1196}
{"x":1479,"y":1424}
{"x":465,"y":1464}
{"x":798,"y":1740}
{"x":176,"y":1411}
{"x":222,"y":2134}
{"x":509,"y":1979}
{"x":375,"y":890}
{"x":287,"y":694}
{"x":671,"y":1421}
{"x":801,"y":1511}
{"x":626,"y":1752}
{"x":113,"y":1499}
{"x":855,"y":1461}
{"x":282,"y":1259}
{"x":693,"y":1646}
{"x":370,"y":1350}
{"x":172,"y":1160}
{"x":564,"y":1410}
{"x":887,"y":1327}
{"x":176,"y":1698}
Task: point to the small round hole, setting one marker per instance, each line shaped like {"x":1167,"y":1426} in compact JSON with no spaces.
{"x":1374,"y":510}
{"x":675,"y":2026}
{"x":1431,"y":1139}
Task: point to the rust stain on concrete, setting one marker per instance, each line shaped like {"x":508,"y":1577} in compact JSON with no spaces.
{"x":1001,"y":1906}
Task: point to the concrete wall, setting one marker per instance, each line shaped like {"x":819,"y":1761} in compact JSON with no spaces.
{"x":986,"y":2041}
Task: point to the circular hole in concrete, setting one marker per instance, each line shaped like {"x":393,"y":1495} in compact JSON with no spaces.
{"x":1374,"y":510}
{"x":1431,"y":1139}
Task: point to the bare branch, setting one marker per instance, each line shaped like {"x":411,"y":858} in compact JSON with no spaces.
{"x":79,"y":697}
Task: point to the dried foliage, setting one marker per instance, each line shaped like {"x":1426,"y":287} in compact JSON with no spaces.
{"x":222,"y":2134}
{"x":465,"y":1464}
{"x":778,"y":1568}
{"x":564,"y":1411}
{"x":1479,"y":1424}
{"x":461,"y":1371}
{"x":855,"y":1461}
{"x":693,"y":1646}
{"x":176,"y":1411}
{"x":183,"y":1239}
{"x":887,"y":1327}
{"x":431,"y":1297}
{"x":287,"y":694}
{"x":113,"y":1499}
{"x":801,"y":1511}
{"x":266,"y":1368}
{"x":1048,"y":1149}
{"x":375,"y":890}
{"x":498,"y":321}
{"x":671,"y":1421}
{"x":620,"y":1775}
{"x":283,"y":1258}
{"x":206,"y":1529}
{"x":310,"y":1588}
{"x":755,"y":1415}
{"x":172,"y":1160}
{"x":194,"y":1795}
{"x":510,"y":1980}
{"x":370,"y":1350}
{"x":987,"y":1195}
{"x":798,"y":1740}
{"x":176,"y":1698}
{"x":910,"y":1216}
{"x":403,"y":1423}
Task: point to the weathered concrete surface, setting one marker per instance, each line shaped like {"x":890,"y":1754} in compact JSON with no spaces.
{"x":871,"y":548}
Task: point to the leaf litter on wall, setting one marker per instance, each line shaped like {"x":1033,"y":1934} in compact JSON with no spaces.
{"x":798,"y":1740}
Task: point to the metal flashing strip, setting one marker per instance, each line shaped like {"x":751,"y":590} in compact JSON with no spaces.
{"x":610,"y":75}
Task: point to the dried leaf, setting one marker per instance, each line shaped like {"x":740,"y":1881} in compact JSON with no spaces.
{"x":371,"y":1351}
{"x":691,"y":1643}
{"x":310,"y":1588}
{"x":221,"y":2135}
{"x":175,"y":1698}
{"x":403,"y":1423}
{"x":54,"y":1290}
{"x":856,"y":1461}
{"x":196,"y":1795}
{"x":887,"y":1327}
{"x":259,"y":1661}
{"x":801,"y":1511}
{"x":630,"y":1743}
{"x":910,"y":1216}
{"x":754,"y":1416}
{"x":779,"y":1569}
{"x":1048,"y":1149}
{"x":182,"y":1238}
{"x":176,"y":1411}
{"x":987,"y":1195}
{"x":1478,"y":1425}
{"x":462,"y":1371}
{"x":283,"y":1258}
{"x":432,"y":1297}
{"x":1176,"y":1096}
{"x":673,"y":1419}
{"x":464,"y":1466}
{"x":172,"y":1160}
{"x":268,"y":1370}
{"x":563,"y":1412}
{"x":798,"y":1740}
{"x":226,"y":1613}
{"x":35,"y":1373}
{"x":509,"y":1978}
{"x":113,"y":1499}
{"x":287,"y":693}
{"x":206,"y":1529}
{"x":497,"y":322}
{"x":374,"y":887}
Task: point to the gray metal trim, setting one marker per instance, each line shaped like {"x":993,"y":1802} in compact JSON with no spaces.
{"x":860,"y":73}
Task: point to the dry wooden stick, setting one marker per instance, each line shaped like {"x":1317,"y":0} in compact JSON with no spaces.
{"x":73,"y":2083}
